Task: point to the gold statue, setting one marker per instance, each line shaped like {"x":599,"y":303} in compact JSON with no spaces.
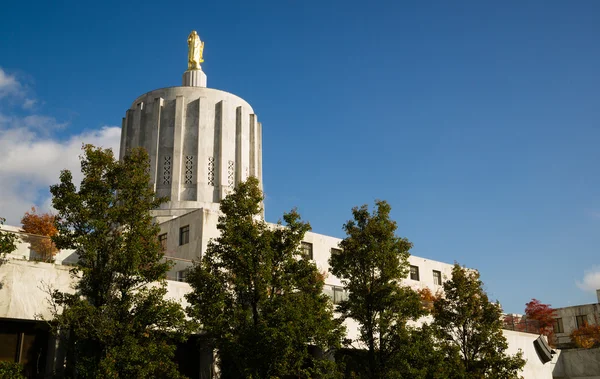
{"x":195,"y":49}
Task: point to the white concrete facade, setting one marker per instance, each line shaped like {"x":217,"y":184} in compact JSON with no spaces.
{"x":568,"y":319}
{"x":201,"y":224}
{"x":201,"y":142}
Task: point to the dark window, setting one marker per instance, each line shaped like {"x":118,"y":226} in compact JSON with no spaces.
{"x":307,"y":250}
{"x":558,"y":325}
{"x":414,"y":272}
{"x":184,"y":235}
{"x":339,"y":294}
{"x":437,"y":278}
{"x":581,"y":321}
{"x":181,"y":275}
{"x":162,"y":239}
{"x":335,"y":251}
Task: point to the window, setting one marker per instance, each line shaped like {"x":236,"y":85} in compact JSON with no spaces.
{"x":336,"y":293}
{"x":581,"y":321}
{"x":558,"y":326}
{"x":181,"y":275}
{"x":184,"y":235}
{"x":335,"y":251}
{"x":307,"y":250}
{"x":414,"y":272}
{"x":339,"y":294}
{"x":162,"y":239}
{"x":437,"y":278}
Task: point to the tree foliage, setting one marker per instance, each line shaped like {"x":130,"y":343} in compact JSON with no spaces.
{"x":40,"y":225}
{"x":259,"y":301}
{"x":371,"y":265}
{"x":8,"y":241}
{"x":428,"y":298}
{"x":11,"y":370}
{"x":119,"y":324}
{"x":469,"y":328}
{"x":543,"y":316}
{"x":587,"y":336}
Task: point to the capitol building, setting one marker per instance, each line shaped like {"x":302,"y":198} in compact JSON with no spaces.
{"x":202,"y":142}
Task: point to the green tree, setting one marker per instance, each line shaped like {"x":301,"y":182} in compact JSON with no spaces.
{"x":8,"y":241}
{"x":8,"y":244}
{"x":371,"y":265}
{"x":469,"y":328}
{"x":260,"y":303}
{"x":118,"y":322}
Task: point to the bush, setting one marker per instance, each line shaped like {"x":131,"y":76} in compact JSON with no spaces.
{"x":11,"y":370}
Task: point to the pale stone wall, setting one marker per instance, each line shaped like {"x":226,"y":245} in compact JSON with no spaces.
{"x":578,"y":364}
{"x":534,"y":368}
{"x":25,"y":288}
{"x":568,"y":316}
{"x":25,"y":285}
{"x":25,"y":252}
{"x":201,"y":142}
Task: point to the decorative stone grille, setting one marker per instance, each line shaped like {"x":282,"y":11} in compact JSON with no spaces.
{"x":211,"y":171}
{"x":189,"y":169}
{"x":167,"y":170}
{"x":230,"y":173}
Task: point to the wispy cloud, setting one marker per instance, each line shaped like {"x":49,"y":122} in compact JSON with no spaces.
{"x":9,"y":85}
{"x":591,"y":279}
{"x":31,"y":158}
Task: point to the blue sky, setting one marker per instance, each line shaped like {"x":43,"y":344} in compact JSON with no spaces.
{"x":478,"y":121}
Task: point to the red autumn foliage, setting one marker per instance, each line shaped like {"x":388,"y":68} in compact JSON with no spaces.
{"x":542,"y":314}
{"x":514,"y":322}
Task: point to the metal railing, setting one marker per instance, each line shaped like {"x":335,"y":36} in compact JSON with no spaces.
{"x":521,"y":325}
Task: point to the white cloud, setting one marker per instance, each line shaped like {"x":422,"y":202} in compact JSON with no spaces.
{"x":9,"y":85}
{"x":31,"y":164}
{"x":591,"y":279}
{"x":31,"y":158}
{"x":29,"y":103}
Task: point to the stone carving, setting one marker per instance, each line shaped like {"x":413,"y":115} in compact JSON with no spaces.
{"x":167,"y":170}
{"x":211,"y":171}
{"x":195,"y":50}
{"x":230,"y":172}
{"x":189,"y":169}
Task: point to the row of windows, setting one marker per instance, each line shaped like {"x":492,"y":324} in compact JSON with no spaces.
{"x":307,"y":253}
{"x":437,"y":275}
{"x":579,"y":322}
{"x":184,"y":237}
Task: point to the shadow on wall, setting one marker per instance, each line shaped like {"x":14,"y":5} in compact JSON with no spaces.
{"x":578,"y":363}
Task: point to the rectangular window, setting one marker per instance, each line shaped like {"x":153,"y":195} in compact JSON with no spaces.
{"x":336,"y":293}
{"x":335,"y":251}
{"x":184,"y":235}
{"x":558,"y":325}
{"x":414,"y":272}
{"x":162,"y":239}
{"x":181,"y":275}
{"x":339,"y":294}
{"x":307,"y":250}
{"x":437,"y":278}
{"x":581,"y":321}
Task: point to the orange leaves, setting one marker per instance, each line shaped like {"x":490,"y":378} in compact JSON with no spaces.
{"x":586,"y":336}
{"x":40,"y":227}
{"x":428,"y":298}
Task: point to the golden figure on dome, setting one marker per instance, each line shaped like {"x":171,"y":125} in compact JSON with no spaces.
{"x":195,"y":50}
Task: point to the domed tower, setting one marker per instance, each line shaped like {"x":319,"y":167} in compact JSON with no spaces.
{"x":201,"y":141}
